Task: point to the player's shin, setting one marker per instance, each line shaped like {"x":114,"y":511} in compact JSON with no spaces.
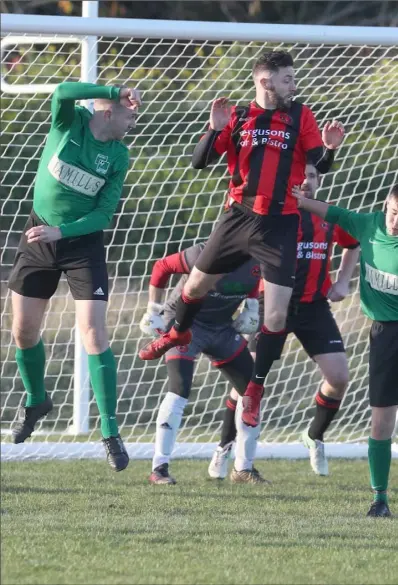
{"x":103,"y":377}
{"x":326,"y":410}
{"x":228,"y":430}
{"x":379,"y":455}
{"x":186,"y":310}
{"x":246,"y":441}
{"x":268,"y":349}
{"x":31,"y":365}
{"x":167,"y":424}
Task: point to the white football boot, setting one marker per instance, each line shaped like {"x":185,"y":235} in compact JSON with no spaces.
{"x":218,"y":468}
{"x":318,"y":460}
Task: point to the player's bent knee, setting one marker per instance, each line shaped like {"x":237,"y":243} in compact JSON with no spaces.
{"x":383,"y":422}
{"x":95,"y":339}
{"x":339,"y":381}
{"x":25,"y":334}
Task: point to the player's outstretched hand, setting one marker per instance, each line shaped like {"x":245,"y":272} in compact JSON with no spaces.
{"x":130,"y":98}
{"x":220,"y":114}
{"x":333,"y":134}
{"x":152,"y":323}
{"x":43,"y":233}
{"x":338,"y":291}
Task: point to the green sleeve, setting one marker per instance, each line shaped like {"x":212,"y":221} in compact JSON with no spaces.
{"x":63,"y":100}
{"x":352,"y":222}
{"x":100,"y":218}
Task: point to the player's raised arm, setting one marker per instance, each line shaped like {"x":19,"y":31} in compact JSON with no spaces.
{"x":215,"y":142}
{"x":179,"y":263}
{"x":320,"y":148}
{"x":65,"y":95}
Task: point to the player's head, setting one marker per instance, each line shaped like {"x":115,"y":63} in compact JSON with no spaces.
{"x":311,"y":182}
{"x":273,"y":75}
{"x":116,"y":120}
{"x":392,"y":212}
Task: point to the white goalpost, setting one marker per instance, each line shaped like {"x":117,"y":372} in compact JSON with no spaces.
{"x":349,"y":73}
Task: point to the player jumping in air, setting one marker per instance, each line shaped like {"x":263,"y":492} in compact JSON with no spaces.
{"x":213,"y":334}
{"x":312,"y":322}
{"x":268,"y":144}
{"x":77,"y":188}
{"x":378,"y":236}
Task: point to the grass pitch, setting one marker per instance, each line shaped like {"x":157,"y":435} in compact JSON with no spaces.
{"x":77,"y":522}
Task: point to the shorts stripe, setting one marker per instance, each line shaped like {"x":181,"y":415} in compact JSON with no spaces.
{"x":232,"y":357}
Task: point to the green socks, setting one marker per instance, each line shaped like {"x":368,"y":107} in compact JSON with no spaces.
{"x":31,"y":363}
{"x":379,"y":456}
{"x":103,"y":376}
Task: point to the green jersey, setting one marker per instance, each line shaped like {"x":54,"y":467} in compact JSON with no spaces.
{"x":79,"y":180}
{"x":379,"y":261}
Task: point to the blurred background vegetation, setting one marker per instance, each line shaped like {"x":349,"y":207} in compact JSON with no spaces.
{"x":167,"y":205}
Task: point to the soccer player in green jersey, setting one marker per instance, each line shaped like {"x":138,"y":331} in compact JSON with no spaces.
{"x":378,"y":235}
{"x":78,"y":186}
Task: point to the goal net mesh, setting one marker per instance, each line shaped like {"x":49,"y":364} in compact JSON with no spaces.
{"x":167,"y":206}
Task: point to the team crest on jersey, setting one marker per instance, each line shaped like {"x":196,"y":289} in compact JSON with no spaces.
{"x":256,"y":271}
{"x":285,"y":118}
{"x":325,"y":225}
{"x":102,"y":164}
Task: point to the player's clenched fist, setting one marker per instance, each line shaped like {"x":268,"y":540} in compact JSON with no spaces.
{"x":130,"y":98}
{"x":333,"y":134}
{"x":220,"y":114}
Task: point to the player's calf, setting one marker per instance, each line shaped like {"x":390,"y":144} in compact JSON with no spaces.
{"x":29,"y":417}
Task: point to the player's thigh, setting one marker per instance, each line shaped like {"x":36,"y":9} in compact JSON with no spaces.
{"x":34,"y":273}
{"x":239,"y":370}
{"x":224,"y":347}
{"x":273,"y":242}
{"x":383,"y":364}
{"x":227,"y":248}
{"x":91,"y":319}
{"x":27,"y":317}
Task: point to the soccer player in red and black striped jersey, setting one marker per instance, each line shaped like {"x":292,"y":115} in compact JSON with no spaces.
{"x":268,"y":144}
{"x":312,"y":322}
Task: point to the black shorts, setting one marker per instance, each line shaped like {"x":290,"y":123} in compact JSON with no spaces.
{"x":38,"y":267}
{"x":383,"y":364}
{"x":314,"y":326}
{"x":226,"y":349}
{"x":241,"y":235}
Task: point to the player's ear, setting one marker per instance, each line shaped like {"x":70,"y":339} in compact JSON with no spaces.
{"x":266,"y":83}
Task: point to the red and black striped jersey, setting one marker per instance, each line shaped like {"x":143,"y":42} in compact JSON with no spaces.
{"x":314,"y":249}
{"x":267,"y":151}
{"x":315,"y":243}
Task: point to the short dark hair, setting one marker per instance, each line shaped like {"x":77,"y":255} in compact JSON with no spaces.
{"x":394,"y":191}
{"x":272,"y":61}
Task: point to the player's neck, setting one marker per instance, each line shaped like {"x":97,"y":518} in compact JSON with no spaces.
{"x":265,"y":102}
{"x":99,"y":132}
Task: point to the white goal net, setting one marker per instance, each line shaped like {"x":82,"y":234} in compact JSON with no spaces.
{"x":168,"y":206}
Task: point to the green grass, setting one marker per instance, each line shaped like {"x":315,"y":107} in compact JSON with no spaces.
{"x":77,"y":522}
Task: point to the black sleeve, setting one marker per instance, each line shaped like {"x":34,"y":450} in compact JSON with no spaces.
{"x":321,"y":158}
{"x":205,"y":153}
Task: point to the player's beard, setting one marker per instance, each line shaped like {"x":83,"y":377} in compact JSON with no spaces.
{"x":281,"y":103}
